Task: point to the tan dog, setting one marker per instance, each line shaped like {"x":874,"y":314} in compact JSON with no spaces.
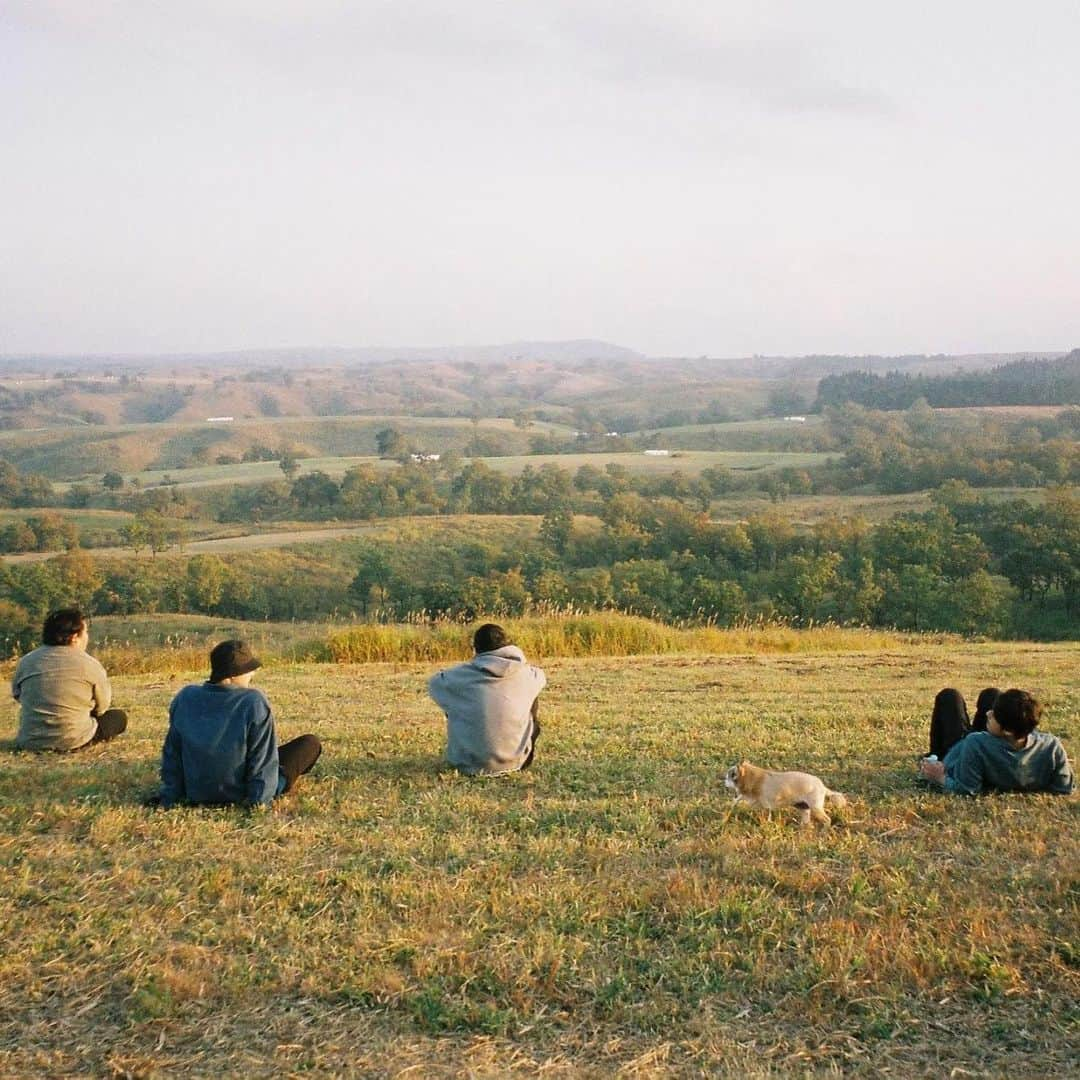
{"x":772,"y":790}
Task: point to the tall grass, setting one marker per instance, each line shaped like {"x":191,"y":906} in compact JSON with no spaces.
{"x":596,"y":634}
{"x":173,"y":644}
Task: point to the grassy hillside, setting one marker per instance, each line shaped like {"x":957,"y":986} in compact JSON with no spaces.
{"x":76,"y":452}
{"x":606,"y":912}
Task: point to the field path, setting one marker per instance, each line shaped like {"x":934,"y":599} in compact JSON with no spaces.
{"x":223,"y":544}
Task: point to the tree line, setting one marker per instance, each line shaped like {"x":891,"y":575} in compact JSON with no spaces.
{"x":1021,"y":382}
{"x":970,"y":564}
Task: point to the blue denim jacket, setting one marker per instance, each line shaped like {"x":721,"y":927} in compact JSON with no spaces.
{"x":220,"y":748}
{"x":982,"y":762}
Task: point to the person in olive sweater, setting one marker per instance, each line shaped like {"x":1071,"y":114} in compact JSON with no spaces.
{"x":63,"y":693}
{"x":221,"y":746}
{"x":1010,"y":755}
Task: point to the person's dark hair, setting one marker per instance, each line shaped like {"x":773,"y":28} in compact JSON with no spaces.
{"x":948,"y":722}
{"x":983,"y":705}
{"x":489,"y":637}
{"x":63,"y":626}
{"x":1017,"y":712}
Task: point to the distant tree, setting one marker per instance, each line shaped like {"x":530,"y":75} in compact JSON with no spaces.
{"x":289,"y":464}
{"x":269,"y":405}
{"x":112,"y":481}
{"x":134,"y":534}
{"x":786,"y":401}
{"x":206,"y":579}
{"x":78,"y":577}
{"x":17,"y":537}
{"x":557,"y":528}
{"x":18,"y":630}
{"x":389,"y":442}
{"x":314,"y":490}
{"x":53,"y":532}
{"x":370,"y":583}
{"x":159,"y":531}
{"x":719,"y":602}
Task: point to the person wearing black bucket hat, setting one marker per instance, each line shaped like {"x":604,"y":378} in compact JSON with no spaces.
{"x":231,"y":658}
{"x":221,"y":746}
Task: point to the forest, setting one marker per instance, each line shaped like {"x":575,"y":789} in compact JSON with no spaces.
{"x":916,"y":518}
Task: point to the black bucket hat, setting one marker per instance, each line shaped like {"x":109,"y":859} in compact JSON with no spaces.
{"x":229,"y":658}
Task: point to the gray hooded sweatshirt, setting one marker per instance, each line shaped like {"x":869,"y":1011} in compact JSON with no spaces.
{"x":488,"y":705}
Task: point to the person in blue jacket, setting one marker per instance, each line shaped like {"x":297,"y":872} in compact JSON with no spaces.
{"x":221,"y":746}
{"x":1010,"y":755}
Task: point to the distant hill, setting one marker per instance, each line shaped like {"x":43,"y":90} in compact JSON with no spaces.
{"x":591,"y":386}
{"x":333,"y":356}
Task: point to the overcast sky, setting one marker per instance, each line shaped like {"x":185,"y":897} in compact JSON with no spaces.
{"x":683,"y":177}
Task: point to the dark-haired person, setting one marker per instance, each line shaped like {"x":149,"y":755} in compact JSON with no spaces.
{"x":221,"y":746}
{"x":1010,"y":755}
{"x":63,"y":693}
{"x":491,"y":704}
{"x":948,"y":722}
{"x":984,"y":703}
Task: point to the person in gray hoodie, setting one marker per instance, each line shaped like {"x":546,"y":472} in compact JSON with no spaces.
{"x":491,"y":706}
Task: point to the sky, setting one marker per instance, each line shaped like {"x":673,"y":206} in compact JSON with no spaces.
{"x":682,"y":177}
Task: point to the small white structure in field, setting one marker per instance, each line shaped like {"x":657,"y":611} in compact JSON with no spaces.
{"x":658,"y":453}
{"x":425,"y":457}
{"x":796,"y":419}
{"x":218,"y":419}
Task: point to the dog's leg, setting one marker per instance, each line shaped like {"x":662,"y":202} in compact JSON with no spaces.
{"x":804,"y":813}
{"x":820,"y":816}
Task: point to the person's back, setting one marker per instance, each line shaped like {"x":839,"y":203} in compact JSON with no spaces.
{"x":221,"y":746}
{"x":64,"y":693}
{"x":490,"y":706}
{"x":985,"y":762}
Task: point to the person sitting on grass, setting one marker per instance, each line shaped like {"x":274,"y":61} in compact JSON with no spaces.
{"x":1010,"y":755}
{"x":63,"y":693}
{"x":492,"y":706}
{"x":221,"y":746}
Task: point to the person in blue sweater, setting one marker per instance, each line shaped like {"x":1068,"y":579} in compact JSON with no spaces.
{"x":221,"y":746}
{"x":1010,"y":755}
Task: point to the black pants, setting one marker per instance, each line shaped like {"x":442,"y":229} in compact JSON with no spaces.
{"x":297,"y":757}
{"x":110,"y":723}
{"x":535,"y":733}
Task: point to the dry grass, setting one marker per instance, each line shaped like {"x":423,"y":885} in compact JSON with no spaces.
{"x":596,"y":634}
{"x":607,"y":913}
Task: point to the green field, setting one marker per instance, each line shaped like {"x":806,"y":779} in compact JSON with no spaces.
{"x":636,"y":463}
{"x":84,"y":519}
{"x":607,"y":913}
{"x":689,"y":462}
{"x":76,"y":453}
{"x":809,"y":509}
{"x":769,"y":434}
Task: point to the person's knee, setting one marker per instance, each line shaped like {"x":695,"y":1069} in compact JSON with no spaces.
{"x":310,"y":750}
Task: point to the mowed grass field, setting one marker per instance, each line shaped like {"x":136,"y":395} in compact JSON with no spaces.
{"x":607,"y":913}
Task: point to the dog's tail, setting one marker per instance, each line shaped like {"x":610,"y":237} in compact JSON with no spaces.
{"x":835,"y":798}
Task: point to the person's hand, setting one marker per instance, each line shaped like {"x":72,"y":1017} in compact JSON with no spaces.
{"x":932,"y":770}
